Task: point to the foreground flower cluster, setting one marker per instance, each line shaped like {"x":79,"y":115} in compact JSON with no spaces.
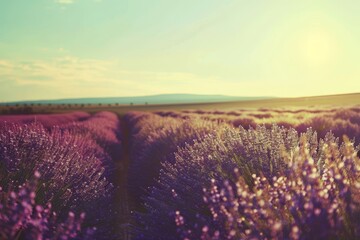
{"x":72,"y":170}
{"x":22,"y":218}
{"x":314,"y":199}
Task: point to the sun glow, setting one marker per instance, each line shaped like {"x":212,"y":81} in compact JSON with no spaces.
{"x":318,"y":48}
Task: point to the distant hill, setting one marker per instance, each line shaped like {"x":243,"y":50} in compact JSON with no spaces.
{"x":153,"y":99}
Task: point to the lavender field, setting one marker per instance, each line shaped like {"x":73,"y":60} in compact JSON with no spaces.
{"x":179,"y":120}
{"x":56,"y":173}
{"x":245,"y":174}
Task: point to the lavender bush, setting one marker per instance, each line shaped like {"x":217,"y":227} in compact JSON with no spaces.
{"x":103,"y":128}
{"x":315,"y":198}
{"x":213,"y":155}
{"x":75,"y":161}
{"x":22,"y":218}
{"x":154,"y":140}
{"x":261,"y":151}
{"x":71,"y":172}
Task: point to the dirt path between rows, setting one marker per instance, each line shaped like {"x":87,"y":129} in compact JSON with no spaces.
{"x":121,"y":196}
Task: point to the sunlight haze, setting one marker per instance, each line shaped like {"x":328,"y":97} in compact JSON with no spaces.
{"x":51,"y":49}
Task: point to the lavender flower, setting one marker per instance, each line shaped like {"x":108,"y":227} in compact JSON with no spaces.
{"x":22,"y":218}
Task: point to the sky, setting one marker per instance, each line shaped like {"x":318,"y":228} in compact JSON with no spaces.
{"x":51,"y":49}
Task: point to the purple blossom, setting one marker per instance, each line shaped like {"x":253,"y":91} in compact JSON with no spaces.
{"x":21,"y":217}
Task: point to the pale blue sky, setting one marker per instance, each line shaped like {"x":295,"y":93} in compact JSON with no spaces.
{"x":96,"y":48}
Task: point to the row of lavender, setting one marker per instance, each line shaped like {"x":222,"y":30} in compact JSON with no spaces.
{"x":206,"y":180}
{"x":55,"y":180}
{"x":338,"y":120}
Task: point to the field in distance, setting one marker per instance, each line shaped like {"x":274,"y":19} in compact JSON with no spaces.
{"x":340,"y":100}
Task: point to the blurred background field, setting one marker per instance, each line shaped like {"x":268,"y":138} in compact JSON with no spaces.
{"x":343,"y":100}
